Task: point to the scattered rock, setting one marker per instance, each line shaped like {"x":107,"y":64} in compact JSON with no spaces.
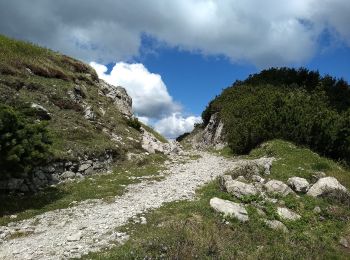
{"x":240,"y":189}
{"x":287,"y":214}
{"x":84,"y":167}
{"x":67,"y":175}
{"x":318,"y":175}
{"x":74,"y":237}
{"x":325,"y":185}
{"x":230,"y":209}
{"x":275,"y":186}
{"x":276,"y":225}
{"x":298,"y":184}
{"x":317,"y":210}
{"x":344,"y":242}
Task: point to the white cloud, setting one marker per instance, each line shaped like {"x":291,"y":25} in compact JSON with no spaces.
{"x":147,"y":90}
{"x":265,"y":33}
{"x":151,"y":101}
{"x":176,"y":124}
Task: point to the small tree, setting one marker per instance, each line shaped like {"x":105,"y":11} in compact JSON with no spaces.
{"x":23,"y":143}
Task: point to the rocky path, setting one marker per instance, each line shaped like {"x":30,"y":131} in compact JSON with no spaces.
{"x":90,"y":225}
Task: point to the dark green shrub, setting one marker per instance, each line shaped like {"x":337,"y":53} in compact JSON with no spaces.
{"x":23,"y":144}
{"x":295,"y":105}
{"x":134,"y":123}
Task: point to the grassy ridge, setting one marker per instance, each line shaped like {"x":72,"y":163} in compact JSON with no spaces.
{"x":32,"y":74}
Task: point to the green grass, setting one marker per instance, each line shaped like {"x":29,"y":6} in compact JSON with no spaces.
{"x":189,"y":230}
{"x":297,"y":161}
{"x":64,"y":195}
{"x":192,"y":230}
{"x":69,"y":129}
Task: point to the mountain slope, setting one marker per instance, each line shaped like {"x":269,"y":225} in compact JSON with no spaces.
{"x":88,"y":120}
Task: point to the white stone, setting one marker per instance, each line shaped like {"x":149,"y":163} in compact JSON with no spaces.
{"x":287,"y":214}
{"x":230,"y":209}
{"x":276,"y":225}
{"x":324,"y":185}
{"x":275,"y":186}
{"x":240,"y":189}
{"x":298,"y":184}
{"x":67,"y":175}
{"x":74,"y":237}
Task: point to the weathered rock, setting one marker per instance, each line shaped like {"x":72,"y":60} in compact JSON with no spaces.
{"x":240,"y":189}
{"x":223,"y":180}
{"x":84,"y":167}
{"x":67,"y":175}
{"x":41,"y":111}
{"x":230,"y":209}
{"x":276,"y":225}
{"x":317,"y":210}
{"x":119,"y":96}
{"x":298,"y":184}
{"x":257,"y":178}
{"x":278,"y":187}
{"x":344,"y":242}
{"x":287,"y":214}
{"x":325,"y":185}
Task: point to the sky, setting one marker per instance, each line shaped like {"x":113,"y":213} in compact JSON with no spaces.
{"x":173,"y":57}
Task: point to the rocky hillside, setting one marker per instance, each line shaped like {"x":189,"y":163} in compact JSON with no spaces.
{"x":90,"y":122}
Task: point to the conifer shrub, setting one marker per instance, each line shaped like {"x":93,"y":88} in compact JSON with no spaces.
{"x":24,"y":143}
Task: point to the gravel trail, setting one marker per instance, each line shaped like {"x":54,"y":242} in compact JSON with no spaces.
{"x":90,"y":226}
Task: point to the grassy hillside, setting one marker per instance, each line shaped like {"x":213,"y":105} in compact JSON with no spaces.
{"x":193,"y":230}
{"x":296,"y":105}
{"x":31,"y":74}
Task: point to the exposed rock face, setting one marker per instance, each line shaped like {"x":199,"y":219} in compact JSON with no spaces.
{"x":56,"y":172}
{"x":230,"y":209}
{"x":275,"y":186}
{"x":119,"y":95}
{"x":152,"y":145}
{"x":287,"y":214}
{"x":212,"y":135}
{"x":298,"y":184}
{"x":324,"y":185}
{"x":240,"y":189}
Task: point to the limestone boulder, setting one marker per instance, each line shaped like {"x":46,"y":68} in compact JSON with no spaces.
{"x":278,"y":187}
{"x":325,"y":185}
{"x":230,"y":209}
{"x":298,"y":184}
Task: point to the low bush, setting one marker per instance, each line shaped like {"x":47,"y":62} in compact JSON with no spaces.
{"x":23,"y":144}
{"x":295,"y":105}
{"x":134,"y":123}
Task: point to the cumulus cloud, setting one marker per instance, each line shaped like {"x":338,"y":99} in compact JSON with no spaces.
{"x":147,"y":90}
{"x":265,"y":33}
{"x":176,"y":124}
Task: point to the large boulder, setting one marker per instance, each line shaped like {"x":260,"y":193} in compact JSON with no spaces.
{"x":287,"y":214}
{"x":325,"y":185}
{"x":230,"y":209}
{"x":240,"y":189}
{"x":298,"y":184}
{"x":278,"y":187}
{"x":223,"y":180}
{"x":41,"y":112}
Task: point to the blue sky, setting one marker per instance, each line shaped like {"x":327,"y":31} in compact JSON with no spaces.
{"x":173,"y":57}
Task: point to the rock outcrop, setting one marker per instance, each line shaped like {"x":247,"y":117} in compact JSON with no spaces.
{"x":119,"y":96}
{"x":211,"y":136}
{"x":152,"y":145}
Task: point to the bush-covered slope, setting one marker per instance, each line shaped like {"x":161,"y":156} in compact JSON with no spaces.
{"x":296,"y":105}
{"x":47,"y":88}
